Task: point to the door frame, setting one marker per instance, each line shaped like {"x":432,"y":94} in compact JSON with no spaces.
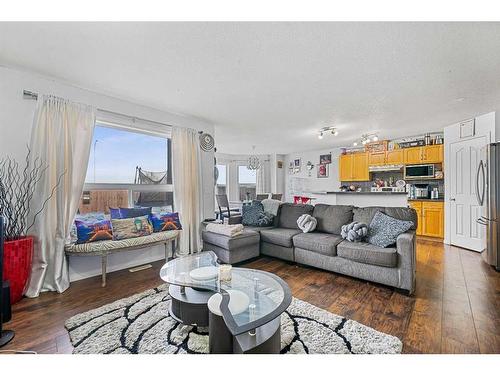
{"x":484,"y":126}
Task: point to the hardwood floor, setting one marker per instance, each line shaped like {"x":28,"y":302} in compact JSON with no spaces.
{"x":456,"y":307}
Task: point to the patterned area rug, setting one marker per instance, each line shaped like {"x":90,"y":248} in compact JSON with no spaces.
{"x":141,"y":324}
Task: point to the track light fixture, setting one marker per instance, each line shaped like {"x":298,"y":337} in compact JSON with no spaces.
{"x":366,"y":138}
{"x":328,"y":129}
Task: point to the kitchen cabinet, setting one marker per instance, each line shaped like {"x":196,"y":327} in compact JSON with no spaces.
{"x":430,"y":218}
{"x":354,"y":167}
{"x":376,"y":158}
{"x":394,"y":157}
{"x":386,"y":157}
{"x":424,"y":154}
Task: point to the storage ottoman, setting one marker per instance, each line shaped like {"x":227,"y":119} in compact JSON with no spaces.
{"x":232,"y":249}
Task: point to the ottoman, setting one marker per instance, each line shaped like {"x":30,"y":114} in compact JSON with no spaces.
{"x":232,"y":249}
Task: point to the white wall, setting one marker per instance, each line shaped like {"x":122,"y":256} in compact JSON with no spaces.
{"x":312,"y":183}
{"x":16,"y":117}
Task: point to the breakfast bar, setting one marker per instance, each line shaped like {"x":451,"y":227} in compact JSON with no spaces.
{"x":361,"y":199}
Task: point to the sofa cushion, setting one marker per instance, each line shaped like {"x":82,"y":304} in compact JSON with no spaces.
{"x":365,"y":214}
{"x":332,"y":217}
{"x":289,"y":213}
{"x":363,"y":252}
{"x":248,"y":237}
{"x":279,"y":236}
{"x":384,"y":229}
{"x":403,"y":213}
{"x":321,"y":243}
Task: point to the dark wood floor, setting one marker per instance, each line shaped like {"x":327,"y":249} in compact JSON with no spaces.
{"x":456,"y":307}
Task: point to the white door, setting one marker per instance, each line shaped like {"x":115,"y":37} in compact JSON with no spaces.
{"x":464,"y":206}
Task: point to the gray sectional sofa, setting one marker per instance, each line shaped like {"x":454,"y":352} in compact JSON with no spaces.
{"x":324,"y":248}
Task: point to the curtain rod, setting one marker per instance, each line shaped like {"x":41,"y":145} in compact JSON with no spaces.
{"x":30,"y":95}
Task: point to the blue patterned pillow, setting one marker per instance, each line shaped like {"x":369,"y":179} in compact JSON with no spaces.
{"x":384,"y":229}
{"x":165,"y":221}
{"x":91,"y":231}
{"x":254,"y":215}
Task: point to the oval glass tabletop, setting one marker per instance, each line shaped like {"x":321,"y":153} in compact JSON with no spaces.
{"x":268,"y":295}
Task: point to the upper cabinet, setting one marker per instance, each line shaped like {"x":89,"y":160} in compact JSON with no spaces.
{"x":354,"y":167}
{"x":424,"y":154}
{"x":385,"y":157}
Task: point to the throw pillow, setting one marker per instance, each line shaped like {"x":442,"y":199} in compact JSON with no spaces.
{"x":307,"y":223}
{"x":91,"y":231}
{"x":354,"y":232}
{"x":254,"y":215}
{"x":131,"y":227}
{"x":128,"y":213}
{"x":384,"y":229}
{"x":165,"y":221}
{"x":90,"y":217}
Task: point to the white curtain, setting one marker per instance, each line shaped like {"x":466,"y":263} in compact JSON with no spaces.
{"x":61,"y":137}
{"x":186,"y":168}
{"x":264,"y":178}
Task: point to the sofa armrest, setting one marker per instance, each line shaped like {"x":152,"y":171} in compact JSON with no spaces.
{"x":406,"y":245}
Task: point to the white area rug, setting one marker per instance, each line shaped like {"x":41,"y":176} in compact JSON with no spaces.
{"x":141,"y":324}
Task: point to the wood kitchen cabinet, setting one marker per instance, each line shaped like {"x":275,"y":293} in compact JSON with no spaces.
{"x":394,"y":157}
{"x":376,"y":158}
{"x":430,"y":218}
{"x":354,"y":167}
{"x":424,"y":154}
{"x":386,"y":157}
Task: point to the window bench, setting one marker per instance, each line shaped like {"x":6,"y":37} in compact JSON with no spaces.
{"x":103,"y":248}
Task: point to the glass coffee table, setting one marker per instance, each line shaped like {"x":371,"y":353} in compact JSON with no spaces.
{"x":243,"y":314}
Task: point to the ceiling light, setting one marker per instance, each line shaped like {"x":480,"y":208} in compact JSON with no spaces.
{"x":320,"y":135}
{"x":355,"y":143}
{"x":375,"y":138}
{"x":335,"y":132}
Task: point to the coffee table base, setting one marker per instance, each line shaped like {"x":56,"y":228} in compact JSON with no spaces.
{"x":189,"y":306}
{"x":265,"y":340}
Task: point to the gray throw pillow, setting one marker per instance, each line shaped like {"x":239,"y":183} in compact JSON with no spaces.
{"x":384,"y":230}
{"x":254,"y":215}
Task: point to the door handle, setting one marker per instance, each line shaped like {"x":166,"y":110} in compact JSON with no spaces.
{"x":452,"y":199}
{"x":479,"y":221}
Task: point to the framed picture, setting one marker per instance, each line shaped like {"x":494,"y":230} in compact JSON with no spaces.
{"x":296,"y":164}
{"x":325,"y":159}
{"x":280,"y":164}
{"x":322,"y":170}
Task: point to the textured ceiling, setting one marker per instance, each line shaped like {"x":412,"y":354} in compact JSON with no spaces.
{"x":274,"y":84}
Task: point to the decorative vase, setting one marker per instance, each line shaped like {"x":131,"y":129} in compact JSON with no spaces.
{"x":17,"y":257}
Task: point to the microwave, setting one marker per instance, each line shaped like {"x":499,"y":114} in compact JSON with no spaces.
{"x":417,"y":172}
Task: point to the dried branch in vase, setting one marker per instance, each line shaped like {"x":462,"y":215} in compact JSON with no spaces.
{"x":17,"y":188}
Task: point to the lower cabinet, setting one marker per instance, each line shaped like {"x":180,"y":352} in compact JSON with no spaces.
{"x":430,"y":218}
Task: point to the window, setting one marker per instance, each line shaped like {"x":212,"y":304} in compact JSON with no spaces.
{"x":247,"y":183}
{"x":128,"y":167}
{"x":221,"y":184}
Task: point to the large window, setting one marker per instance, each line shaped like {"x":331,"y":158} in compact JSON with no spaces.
{"x":247,"y":183}
{"x":221,"y":184}
{"x":128,"y":167}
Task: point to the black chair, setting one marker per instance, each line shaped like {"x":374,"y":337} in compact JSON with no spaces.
{"x":276,"y":196}
{"x":261,"y":197}
{"x":225,"y":211}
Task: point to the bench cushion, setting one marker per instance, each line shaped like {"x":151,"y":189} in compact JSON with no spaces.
{"x":363,"y":252}
{"x":322,"y":243}
{"x":248,"y":237}
{"x":109,"y":246}
{"x":279,"y":236}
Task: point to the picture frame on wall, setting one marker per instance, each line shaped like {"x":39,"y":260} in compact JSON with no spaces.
{"x":322,"y":170}
{"x":325,"y":159}
{"x":296,"y":164}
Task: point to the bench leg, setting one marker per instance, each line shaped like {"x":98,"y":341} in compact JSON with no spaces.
{"x":104,"y":261}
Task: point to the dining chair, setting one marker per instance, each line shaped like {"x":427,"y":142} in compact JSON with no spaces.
{"x":225,"y":211}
